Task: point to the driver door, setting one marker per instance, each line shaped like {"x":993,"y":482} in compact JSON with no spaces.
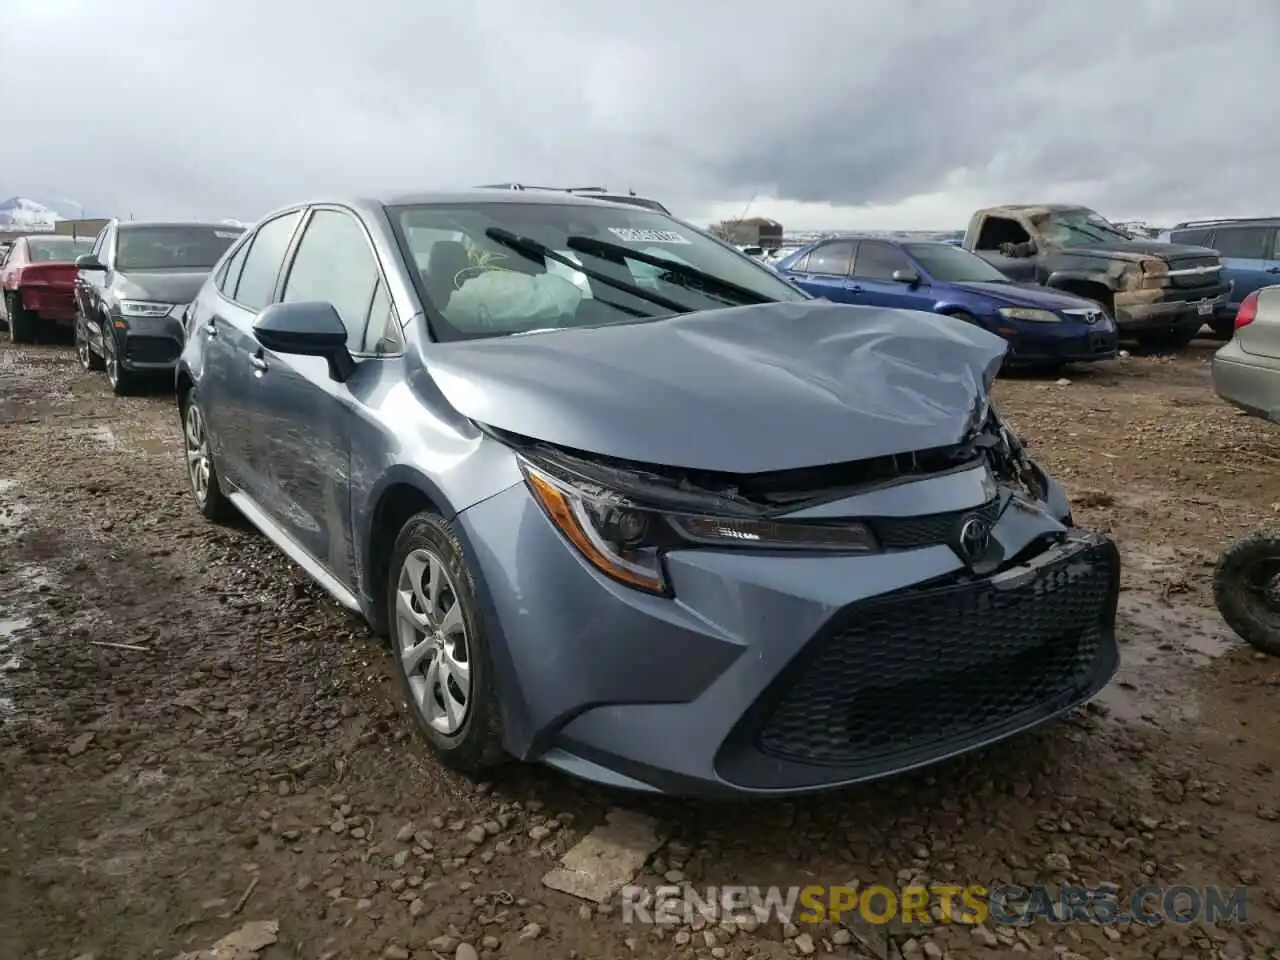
{"x":873,"y":270}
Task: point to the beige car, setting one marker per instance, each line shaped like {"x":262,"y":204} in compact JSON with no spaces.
{"x":1246,"y":372}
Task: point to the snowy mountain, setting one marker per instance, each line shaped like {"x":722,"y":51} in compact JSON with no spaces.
{"x":19,"y":213}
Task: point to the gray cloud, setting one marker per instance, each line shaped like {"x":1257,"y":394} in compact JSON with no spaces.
{"x":229,"y":108}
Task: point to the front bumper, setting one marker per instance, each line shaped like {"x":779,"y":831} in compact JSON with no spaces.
{"x":1074,"y":344}
{"x":1192,"y":311}
{"x":772,"y":675}
{"x":151,"y":344}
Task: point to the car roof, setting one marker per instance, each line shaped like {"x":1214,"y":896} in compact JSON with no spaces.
{"x":135,"y":224}
{"x":1227,"y":222}
{"x":490,"y":195}
{"x":892,"y":241}
{"x":373,"y":205}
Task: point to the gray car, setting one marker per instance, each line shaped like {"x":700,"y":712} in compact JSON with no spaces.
{"x":1246,"y":371}
{"x":131,"y":292}
{"x":628,"y":503}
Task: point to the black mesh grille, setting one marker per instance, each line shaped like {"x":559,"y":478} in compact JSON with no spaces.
{"x":152,"y":349}
{"x":921,"y":669}
{"x":1185,"y":263}
{"x":1207,"y":279}
{"x":903,"y":533}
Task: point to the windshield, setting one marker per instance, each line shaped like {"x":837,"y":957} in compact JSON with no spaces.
{"x":58,"y":249}
{"x":948,"y":264}
{"x":1073,"y":228}
{"x":176,"y":247}
{"x":484,"y":287}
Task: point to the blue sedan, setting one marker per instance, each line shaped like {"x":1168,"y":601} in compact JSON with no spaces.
{"x":1044,"y":328}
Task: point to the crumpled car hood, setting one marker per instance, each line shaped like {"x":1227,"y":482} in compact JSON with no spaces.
{"x":750,"y":389}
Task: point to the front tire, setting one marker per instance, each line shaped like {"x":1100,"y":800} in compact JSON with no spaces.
{"x":202,"y":475}
{"x":1169,"y":340}
{"x":1246,"y":590}
{"x":439,"y":648}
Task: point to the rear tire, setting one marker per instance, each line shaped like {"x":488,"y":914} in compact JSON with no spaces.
{"x":89,"y":360}
{"x":202,"y":475}
{"x":437,"y":642}
{"x":22,"y":322}
{"x":1246,"y":590}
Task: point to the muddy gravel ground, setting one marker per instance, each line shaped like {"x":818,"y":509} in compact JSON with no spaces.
{"x":240,"y":755}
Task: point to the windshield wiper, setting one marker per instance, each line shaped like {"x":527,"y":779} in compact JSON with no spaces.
{"x":533,"y":250}
{"x":609,"y":250}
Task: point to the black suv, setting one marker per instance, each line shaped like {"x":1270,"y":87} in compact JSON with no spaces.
{"x":132,"y":290}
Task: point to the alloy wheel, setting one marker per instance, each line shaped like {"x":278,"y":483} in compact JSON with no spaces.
{"x":109,"y":355}
{"x":197,"y":453}
{"x":82,"y":346}
{"x":432,"y":641}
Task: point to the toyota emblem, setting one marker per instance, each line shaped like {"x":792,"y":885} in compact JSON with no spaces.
{"x":975,"y":537}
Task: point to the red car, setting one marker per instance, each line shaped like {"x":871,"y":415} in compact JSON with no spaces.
{"x":37,"y":282}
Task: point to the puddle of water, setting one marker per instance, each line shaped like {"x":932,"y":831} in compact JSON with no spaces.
{"x":9,"y":627}
{"x":1160,"y":644}
{"x":36,"y":577}
{"x":12,"y":513}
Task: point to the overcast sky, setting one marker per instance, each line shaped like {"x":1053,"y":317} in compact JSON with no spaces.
{"x":831,"y":113}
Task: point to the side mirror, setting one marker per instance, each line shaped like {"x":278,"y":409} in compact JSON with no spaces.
{"x":909,"y":276}
{"x":87,"y":261}
{"x":306,"y":330}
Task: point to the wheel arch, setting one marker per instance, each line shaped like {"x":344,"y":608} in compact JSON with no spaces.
{"x":1093,"y":287}
{"x":401,"y":492}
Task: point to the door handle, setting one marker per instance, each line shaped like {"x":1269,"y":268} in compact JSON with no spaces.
{"x":854,"y":288}
{"x":1273,"y":269}
{"x":259,"y":363}
{"x":210,"y":328}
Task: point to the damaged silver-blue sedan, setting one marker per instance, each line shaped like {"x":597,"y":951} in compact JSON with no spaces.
{"x":629,"y":504}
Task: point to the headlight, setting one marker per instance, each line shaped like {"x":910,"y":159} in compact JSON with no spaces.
{"x":625,"y":540}
{"x":144,"y":308}
{"x":1030,"y":313}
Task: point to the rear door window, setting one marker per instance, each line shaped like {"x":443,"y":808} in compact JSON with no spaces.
{"x":878,"y":261}
{"x":1246,"y":243}
{"x":833,"y":259}
{"x":261,"y":269}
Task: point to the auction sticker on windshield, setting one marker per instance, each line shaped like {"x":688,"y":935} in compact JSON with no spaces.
{"x":631,"y":235}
